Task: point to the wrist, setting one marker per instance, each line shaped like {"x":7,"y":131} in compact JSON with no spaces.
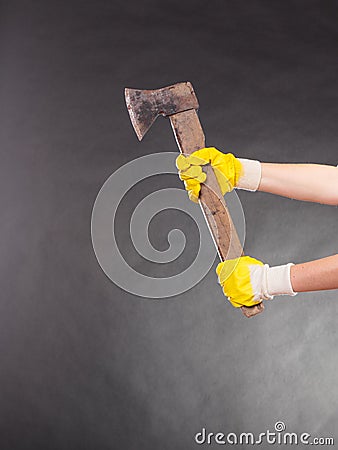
{"x":278,"y":280}
{"x":251,"y":175}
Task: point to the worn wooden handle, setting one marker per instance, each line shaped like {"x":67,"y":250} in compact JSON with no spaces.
{"x":190,"y":137}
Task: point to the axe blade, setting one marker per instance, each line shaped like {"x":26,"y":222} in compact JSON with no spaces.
{"x":144,"y":106}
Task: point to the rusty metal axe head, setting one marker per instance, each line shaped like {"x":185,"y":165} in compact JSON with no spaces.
{"x":145,"y":106}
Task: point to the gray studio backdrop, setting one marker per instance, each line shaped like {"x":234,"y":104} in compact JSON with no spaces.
{"x":86,"y":365}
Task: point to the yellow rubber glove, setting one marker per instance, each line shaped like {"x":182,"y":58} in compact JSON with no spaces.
{"x":242,"y":280}
{"x":247,"y":281}
{"x":227,"y":168}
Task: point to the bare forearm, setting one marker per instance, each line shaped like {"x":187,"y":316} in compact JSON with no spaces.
{"x":318,"y":275}
{"x":308,"y":182}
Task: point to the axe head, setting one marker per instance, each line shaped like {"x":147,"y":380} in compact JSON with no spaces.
{"x":145,"y":106}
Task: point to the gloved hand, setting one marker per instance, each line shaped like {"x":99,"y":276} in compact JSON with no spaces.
{"x":247,"y":281}
{"x":230,"y":171}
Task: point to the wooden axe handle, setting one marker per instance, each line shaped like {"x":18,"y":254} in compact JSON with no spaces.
{"x":190,"y":137}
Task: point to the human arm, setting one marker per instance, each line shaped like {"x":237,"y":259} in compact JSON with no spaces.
{"x":308,"y":182}
{"x":320,"y":274}
{"x":247,"y":281}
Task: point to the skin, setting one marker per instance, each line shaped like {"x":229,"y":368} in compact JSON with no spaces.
{"x":311,"y":183}
{"x":308,"y":182}
{"x":318,"y":275}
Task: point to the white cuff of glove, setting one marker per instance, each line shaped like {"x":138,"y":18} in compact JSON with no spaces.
{"x":278,"y":281}
{"x":252,"y":175}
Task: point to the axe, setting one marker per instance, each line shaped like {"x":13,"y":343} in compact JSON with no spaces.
{"x":179,"y":103}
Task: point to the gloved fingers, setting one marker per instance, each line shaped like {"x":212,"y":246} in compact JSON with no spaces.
{"x":191,"y":174}
{"x":227,"y":168}
{"x":198,"y":158}
{"x":194,"y":172}
{"x":193,"y":187}
{"x":192,"y":196}
{"x":192,"y":184}
{"x":182,"y":163}
{"x":235,"y":278}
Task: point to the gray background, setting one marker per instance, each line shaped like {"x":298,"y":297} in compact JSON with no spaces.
{"x":85,"y":365}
